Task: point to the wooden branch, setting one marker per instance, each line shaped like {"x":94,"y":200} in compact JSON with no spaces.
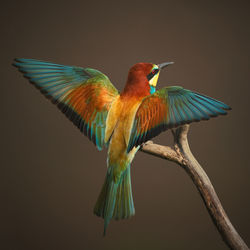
{"x":182,"y":155}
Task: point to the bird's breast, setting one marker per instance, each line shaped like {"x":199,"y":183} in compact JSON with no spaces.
{"x":120,"y":118}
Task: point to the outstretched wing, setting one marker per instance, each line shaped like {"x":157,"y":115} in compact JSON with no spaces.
{"x":84,"y":95}
{"x":168,"y":108}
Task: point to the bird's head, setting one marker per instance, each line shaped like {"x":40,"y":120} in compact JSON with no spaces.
{"x":143,"y":78}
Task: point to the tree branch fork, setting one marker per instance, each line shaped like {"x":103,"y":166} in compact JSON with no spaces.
{"x":181,"y":154}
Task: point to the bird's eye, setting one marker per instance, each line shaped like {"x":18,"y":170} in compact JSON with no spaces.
{"x":154,"y":71}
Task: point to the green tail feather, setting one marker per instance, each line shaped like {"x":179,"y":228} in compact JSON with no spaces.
{"x":115,"y":200}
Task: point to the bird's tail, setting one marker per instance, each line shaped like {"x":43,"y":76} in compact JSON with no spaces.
{"x":115,"y":200}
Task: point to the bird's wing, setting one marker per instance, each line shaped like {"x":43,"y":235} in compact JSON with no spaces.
{"x":168,"y":108}
{"x":84,"y":95}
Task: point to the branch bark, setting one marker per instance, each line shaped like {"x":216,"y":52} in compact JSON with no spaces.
{"x":182,"y":155}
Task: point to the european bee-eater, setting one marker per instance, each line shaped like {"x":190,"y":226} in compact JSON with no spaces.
{"x":121,"y":121}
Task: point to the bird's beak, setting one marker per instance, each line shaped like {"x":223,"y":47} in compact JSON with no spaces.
{"x":165,"y":64}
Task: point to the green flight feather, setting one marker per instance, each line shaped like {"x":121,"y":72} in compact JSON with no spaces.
{"x":171,"y":107}
{"x":84,"y":95}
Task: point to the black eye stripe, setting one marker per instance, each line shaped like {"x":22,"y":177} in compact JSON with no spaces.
{"x":152,"y":73}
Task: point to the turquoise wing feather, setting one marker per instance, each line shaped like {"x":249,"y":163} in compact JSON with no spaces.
{"x":84,"y":95}
{"x":171,"y":107}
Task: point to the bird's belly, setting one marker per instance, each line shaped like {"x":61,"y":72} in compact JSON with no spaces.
{"x":118,"y":157}
{"x":117,"y":152}
{"x":117,"y":146}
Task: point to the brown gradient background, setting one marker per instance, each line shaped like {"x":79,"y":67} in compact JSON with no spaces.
{"x":51,"y":174}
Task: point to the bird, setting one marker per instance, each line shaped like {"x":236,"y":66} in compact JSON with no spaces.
{"x":120,"y":121}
